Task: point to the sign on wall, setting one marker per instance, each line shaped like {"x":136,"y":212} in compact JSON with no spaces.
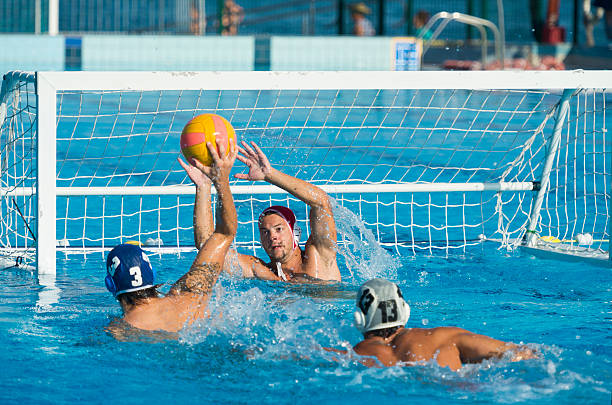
{"x":406,"y":53}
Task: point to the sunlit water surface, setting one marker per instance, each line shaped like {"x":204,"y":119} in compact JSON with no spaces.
{"x":263,"y":340}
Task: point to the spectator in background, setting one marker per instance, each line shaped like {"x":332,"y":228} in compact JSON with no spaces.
{"x":419,"y":20}
{"x":231,"y":17}
{"x":362,"y":27}
{"x":197,"y":26}
{"x":607,"y":6}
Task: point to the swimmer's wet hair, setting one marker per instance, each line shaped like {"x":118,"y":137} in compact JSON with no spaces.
{"x":383,"y":333}
{"x":134,"y":297}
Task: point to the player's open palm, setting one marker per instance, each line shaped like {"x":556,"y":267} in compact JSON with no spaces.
{"x":222,"y":161}
{"x":257,"y":162}
{"x":195,"y":174}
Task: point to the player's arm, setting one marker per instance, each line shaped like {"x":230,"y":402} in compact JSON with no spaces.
{"x":261,"y":169}
{"x":358,"y":30}
{"x":474,"y":348}
{"x":323,"y":238}
{"x":208,"y":263}
{"x":203,"y":224}
{"x":254,"y":267}
{"x":323,"y":227}
{"x":366,"y":361}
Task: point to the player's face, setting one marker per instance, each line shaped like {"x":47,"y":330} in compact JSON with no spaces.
{"x":276,"y":237}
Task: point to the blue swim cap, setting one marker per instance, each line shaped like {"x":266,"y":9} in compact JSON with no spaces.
{"x":128,"y":269}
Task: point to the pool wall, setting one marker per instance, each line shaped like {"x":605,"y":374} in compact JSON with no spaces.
{"x":202,"y":53}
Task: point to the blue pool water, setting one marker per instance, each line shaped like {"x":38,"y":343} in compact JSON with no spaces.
{"x":263,"y":340}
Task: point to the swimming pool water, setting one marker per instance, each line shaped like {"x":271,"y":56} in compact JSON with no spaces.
{"x":263,"y":340}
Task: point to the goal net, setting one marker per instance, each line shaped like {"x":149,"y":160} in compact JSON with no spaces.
{"x":414,"y":161}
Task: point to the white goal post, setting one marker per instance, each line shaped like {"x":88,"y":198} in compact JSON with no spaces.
{"x":424,"y":161}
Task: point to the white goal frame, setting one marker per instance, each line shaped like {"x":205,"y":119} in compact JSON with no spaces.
{"x":48,"y":84}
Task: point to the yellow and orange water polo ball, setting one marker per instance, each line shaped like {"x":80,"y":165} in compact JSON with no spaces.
{"x":206,"y":128}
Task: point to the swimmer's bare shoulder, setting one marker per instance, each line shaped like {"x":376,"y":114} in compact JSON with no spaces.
{"x":123,"y":331}
{"x":254,"y":267}
{"x":368,"y":354}
{"x":377,"y":348}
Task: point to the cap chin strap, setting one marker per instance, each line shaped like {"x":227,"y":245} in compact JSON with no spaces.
{"x":297,"y":234}
{"x":279,"y":270}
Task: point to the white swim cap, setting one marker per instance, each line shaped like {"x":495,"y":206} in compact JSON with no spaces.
{"x":380,"y":305}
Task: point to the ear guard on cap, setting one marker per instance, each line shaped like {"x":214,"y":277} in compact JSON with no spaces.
{"x":359,"y":320}
{"x":110,"y":284}
{"x":111,"y":267}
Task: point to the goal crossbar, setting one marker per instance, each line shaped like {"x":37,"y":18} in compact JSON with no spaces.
{"x":261,"y":80}
{"x":330,"y":189}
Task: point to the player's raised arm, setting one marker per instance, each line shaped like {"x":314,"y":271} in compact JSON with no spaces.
{"x":323,"y":235}
{"x":203,"y":224}
{"x":210,"y":258}
{"x":261,"y":169}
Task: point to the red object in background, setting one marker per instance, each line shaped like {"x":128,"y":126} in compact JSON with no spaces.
{"x":548,"y":62}
{"x":553,"y":35}
{"x":452,"y":64}
{"x":551,"y":32}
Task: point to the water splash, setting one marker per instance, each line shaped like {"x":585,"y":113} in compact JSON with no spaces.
{"x":271,"y":325}
{"x":241,"y":315}
{"x":365,"y":258}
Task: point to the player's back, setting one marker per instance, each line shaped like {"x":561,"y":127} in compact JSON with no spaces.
{"x":417,"y":344}
{"x":169,"y":313}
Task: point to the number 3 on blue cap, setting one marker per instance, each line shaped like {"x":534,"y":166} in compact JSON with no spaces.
{"x":135,"y":271}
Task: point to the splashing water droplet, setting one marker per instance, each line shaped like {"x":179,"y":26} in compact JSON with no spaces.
{"x":358,"y":246}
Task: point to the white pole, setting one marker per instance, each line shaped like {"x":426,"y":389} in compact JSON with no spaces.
{"x":37,"y":17}
{"x":550,"y":158}
{"x":270,"y":189}
{"x":50,"y":293}
{"x":609,"y":203}
{"x":45,"y":176}
{"x":53,"y":17}
{"x":329,"y":80}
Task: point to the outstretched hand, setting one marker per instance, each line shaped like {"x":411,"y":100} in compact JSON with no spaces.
{"x":219,"y":169}
{"x":257,"y":162}
{"x":195,"y":174}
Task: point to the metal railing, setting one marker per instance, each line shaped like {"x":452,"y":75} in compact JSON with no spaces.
{"x":480,"y":23}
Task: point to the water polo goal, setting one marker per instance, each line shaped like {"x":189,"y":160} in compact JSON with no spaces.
{"x":426,"y":162}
